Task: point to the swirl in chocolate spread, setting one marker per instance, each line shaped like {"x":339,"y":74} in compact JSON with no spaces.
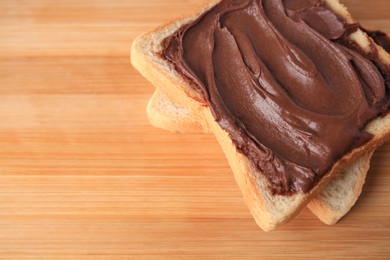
{"x":292,"y":99}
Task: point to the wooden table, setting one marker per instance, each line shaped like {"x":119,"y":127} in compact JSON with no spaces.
{"x":84,"y":175}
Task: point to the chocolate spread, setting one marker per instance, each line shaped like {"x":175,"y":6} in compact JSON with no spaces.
{"x":276,"y":77}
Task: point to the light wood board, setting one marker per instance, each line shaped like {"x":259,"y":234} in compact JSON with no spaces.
{"x":84,"y":176}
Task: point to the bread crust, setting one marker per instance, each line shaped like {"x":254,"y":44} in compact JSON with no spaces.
{"x":269,"y":210}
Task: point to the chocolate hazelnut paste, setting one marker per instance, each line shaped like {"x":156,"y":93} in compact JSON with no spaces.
{"x":279,"y":78}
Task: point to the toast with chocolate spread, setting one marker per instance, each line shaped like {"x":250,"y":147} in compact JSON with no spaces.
{"x":293,"y":91}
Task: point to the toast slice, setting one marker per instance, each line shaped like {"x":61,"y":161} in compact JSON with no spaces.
{"x":269,"y":210}
{"x":332,"y":203}
{"x":337,"y":198}
{"x":172,"y":116}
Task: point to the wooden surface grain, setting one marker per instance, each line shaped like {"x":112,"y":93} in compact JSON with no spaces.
{"x":84,"y":176}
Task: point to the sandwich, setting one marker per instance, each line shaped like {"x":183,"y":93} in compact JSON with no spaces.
{"x":295,"y":92}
